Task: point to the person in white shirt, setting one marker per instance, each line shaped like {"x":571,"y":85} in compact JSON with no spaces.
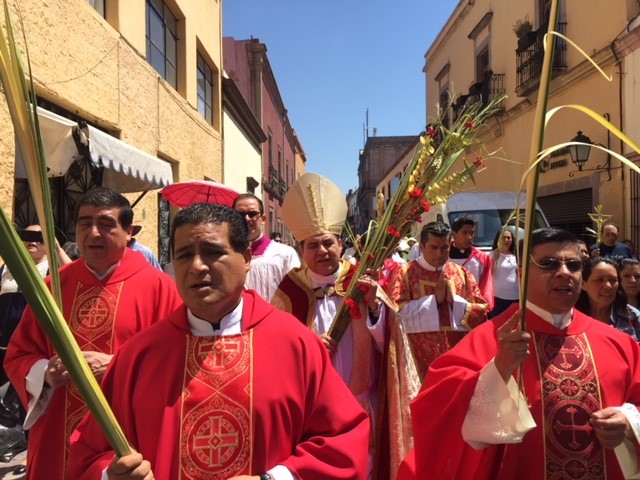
{"x":506,"y":284}
{"x":270,"y":260}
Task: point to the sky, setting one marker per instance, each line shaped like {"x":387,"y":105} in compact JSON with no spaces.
{"x":334,"y":60}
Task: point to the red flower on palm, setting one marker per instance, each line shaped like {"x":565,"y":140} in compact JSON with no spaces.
{"x":416,"y":193}
{"x":353,"y":308}
{"x":393,"y":231}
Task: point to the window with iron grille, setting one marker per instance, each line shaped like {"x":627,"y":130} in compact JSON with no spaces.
{"x":162,"y":41}
{"x":164,"y":230}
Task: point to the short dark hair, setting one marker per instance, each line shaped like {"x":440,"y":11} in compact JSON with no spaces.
{"x":213,"y":213}
{"x":437,"y":229}
{"x":460,"y":222}
{"x":102,"y":197}
{"x":541,"y":236}
{"x":627,"y":262}
{"x":244,"y":196}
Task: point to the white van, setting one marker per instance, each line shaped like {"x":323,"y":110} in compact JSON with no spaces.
{"x":490,"y":211}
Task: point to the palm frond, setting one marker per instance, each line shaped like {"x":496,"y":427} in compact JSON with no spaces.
{"x":21,"y":100}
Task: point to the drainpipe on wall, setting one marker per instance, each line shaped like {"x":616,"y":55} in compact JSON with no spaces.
{"x":626,"y":179}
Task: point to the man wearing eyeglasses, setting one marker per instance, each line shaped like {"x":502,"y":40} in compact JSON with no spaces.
{"x":557,"y":399}
{"x":270,"y":260}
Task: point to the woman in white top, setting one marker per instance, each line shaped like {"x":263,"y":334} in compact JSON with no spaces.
{"x":506,"y":288}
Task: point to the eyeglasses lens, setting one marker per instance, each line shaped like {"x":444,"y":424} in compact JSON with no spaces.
{"x":554,"y":264}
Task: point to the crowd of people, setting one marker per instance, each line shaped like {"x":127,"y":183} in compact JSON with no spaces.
{"x":229,"y":369}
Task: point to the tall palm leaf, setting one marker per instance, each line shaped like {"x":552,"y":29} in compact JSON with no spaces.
{"x":538,"y":154}
{"x":20,"y":96}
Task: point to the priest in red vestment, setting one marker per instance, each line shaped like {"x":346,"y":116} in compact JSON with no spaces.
{"x":576,"y":415}
{"x":108,"y":295}
{"x":229,"y":387}
{"x":439,"y":303}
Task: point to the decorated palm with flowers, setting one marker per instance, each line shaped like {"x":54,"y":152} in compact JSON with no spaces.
{"x":429,"y":180}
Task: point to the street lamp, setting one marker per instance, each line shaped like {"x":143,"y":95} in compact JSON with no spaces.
{"x":580,"y":153}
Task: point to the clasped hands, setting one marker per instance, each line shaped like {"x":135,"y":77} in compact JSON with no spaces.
{"x":443,"y":289}
{"x":57,"y":375}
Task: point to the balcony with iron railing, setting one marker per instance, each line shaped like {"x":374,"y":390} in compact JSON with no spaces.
{"x":283,"y":187}
{"x":273,"y":183}
{"x":530,"y":55}
{"x":484,"y":91}
{"x":273,"y":176}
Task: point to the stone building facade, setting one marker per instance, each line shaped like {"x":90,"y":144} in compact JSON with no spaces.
{"x":147,"y":74}
{"x":479,"y":54}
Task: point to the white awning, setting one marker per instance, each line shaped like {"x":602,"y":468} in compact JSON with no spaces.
{"x":127,"y":169}
{"x":59,"y":147}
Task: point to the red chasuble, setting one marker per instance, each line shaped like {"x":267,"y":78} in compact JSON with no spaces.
{"x":411,"y":354}
{"x":417,"y":282}
{"x":217,"y":407}
{"x":102,"y":315}
{"x":569,"y":375}
{"x":480,"y":265}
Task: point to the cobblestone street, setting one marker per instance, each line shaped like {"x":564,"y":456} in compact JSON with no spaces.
{"x":6,"y":469}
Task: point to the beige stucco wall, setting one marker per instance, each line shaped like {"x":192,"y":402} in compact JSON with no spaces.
{"x":241,"y":158}
{"x":82,"y":63}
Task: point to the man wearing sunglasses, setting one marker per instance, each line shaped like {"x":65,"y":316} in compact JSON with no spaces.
{"x":557,"y":399}
{"x":270,"y":260}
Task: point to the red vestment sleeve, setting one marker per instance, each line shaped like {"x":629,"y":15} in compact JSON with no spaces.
{"x":486,"y":282}
{"x":439,"y":449}
{"x":438,"y":412}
